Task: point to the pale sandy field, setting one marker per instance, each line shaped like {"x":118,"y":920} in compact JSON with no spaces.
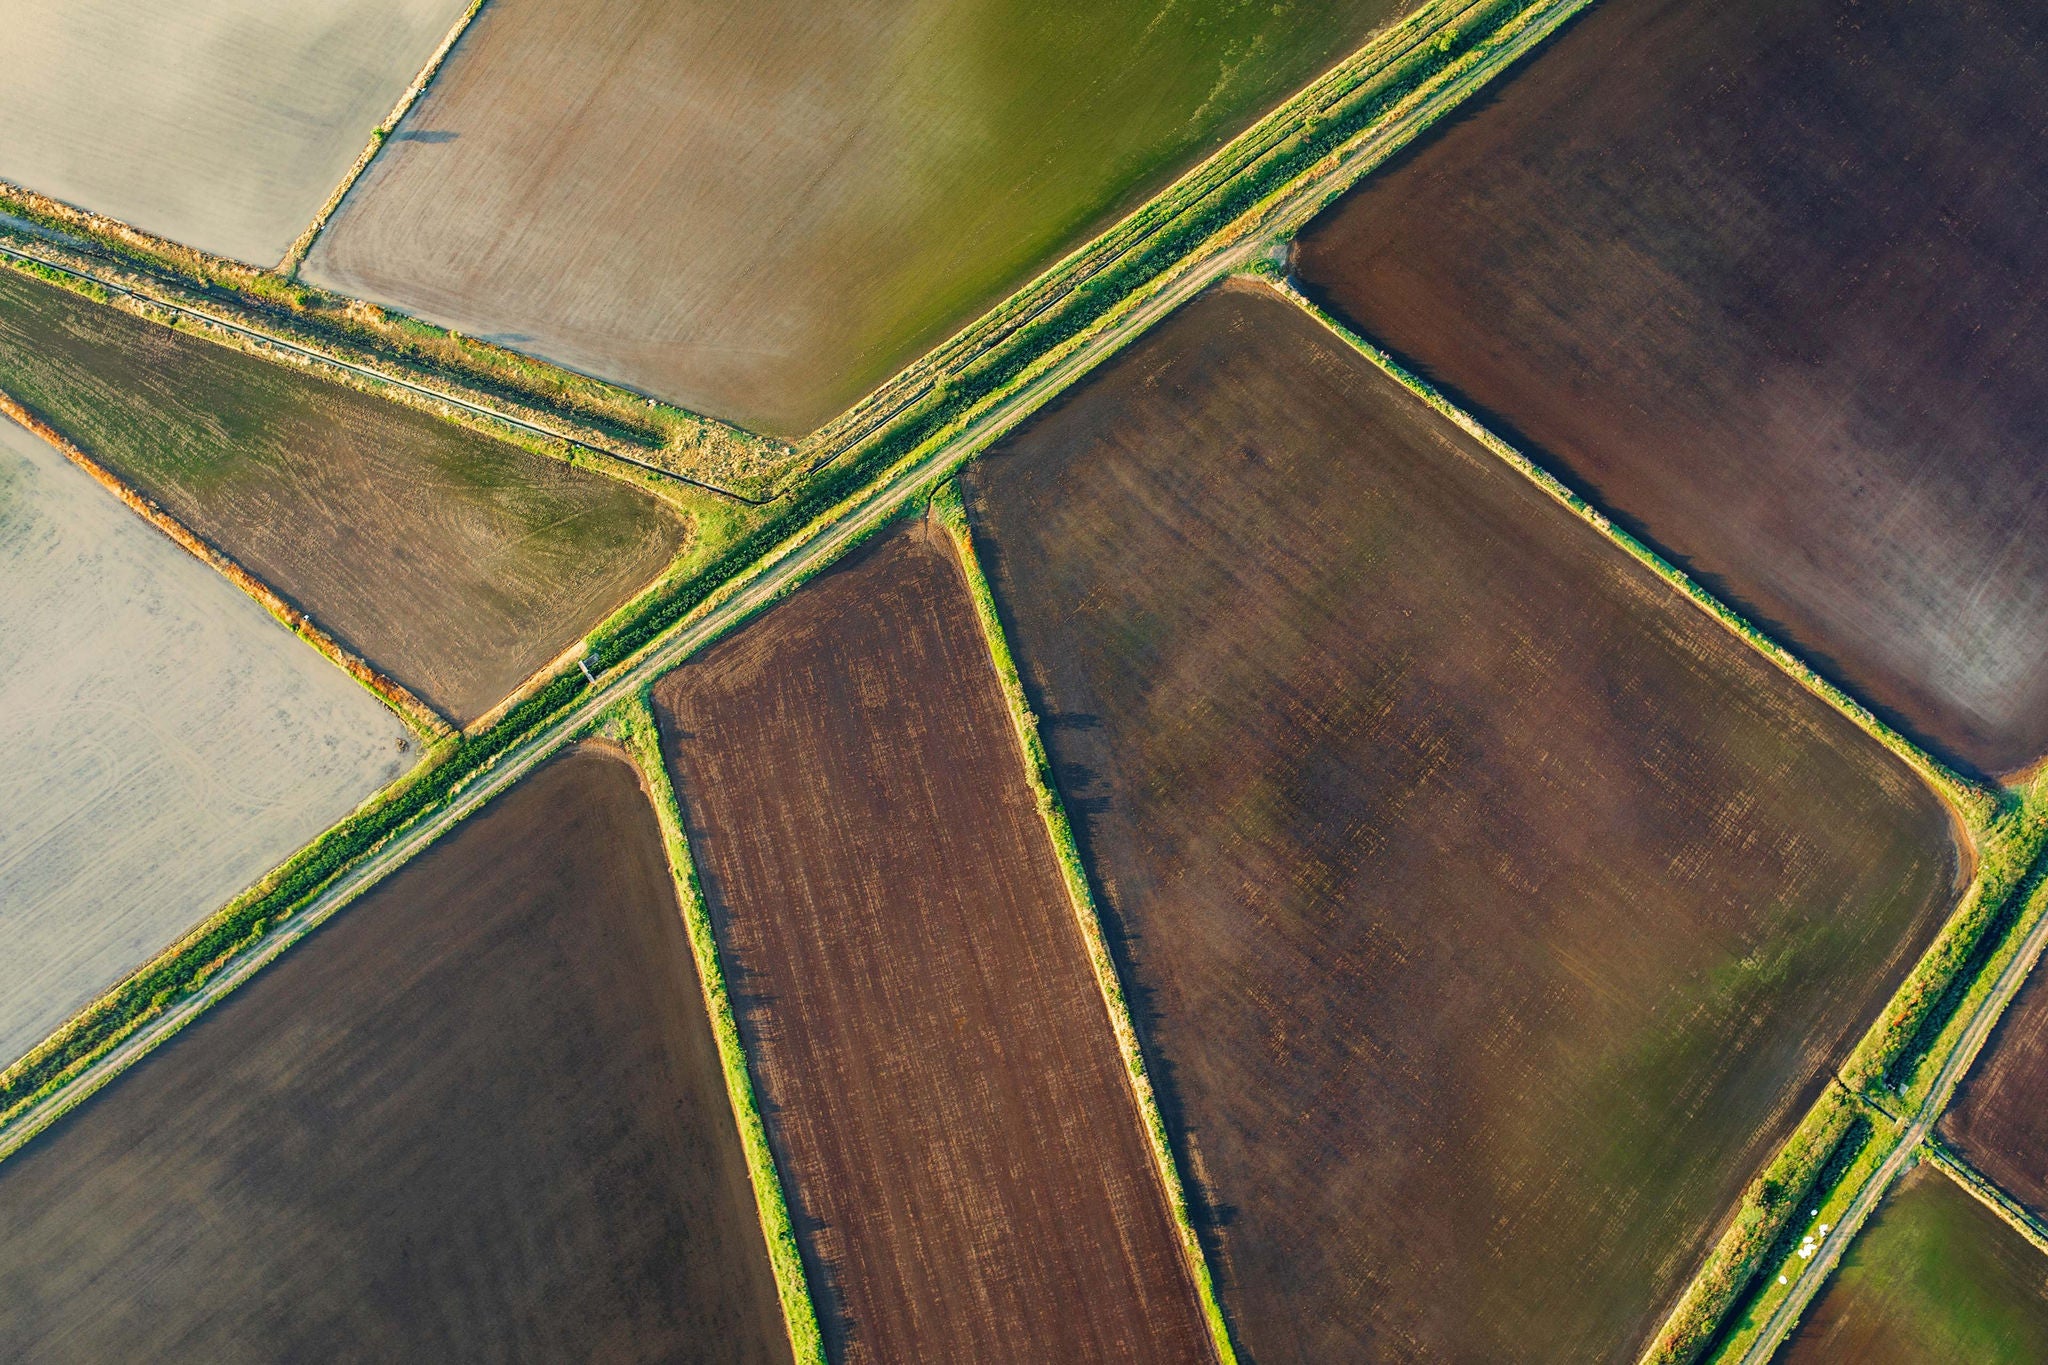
{"x":163,"y":741}
{"x":224,"y":124}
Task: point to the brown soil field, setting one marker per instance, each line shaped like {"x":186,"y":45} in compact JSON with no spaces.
{"x":963,"y":1156}
{"x":1765,"y":279}
{"x":1999,"y":1118}
{"x":455,"y":563}
{"x":1489,"y":913}
{"x":763,"y":211}
{"x":1934,"y":1278}
{"x":478,"y":1116}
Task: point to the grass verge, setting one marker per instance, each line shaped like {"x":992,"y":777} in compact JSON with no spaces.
{"x":950,"y":513}
{"x":134,"y":269}
{"x":632,"y":725}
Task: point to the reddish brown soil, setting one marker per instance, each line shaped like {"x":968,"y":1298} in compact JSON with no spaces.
{"x":479,"y":1116}
{"x":968,"y":1176}
{"x":1489,"y":912}
{"x":1767,"y":277}
{"x":1999,"y":1119}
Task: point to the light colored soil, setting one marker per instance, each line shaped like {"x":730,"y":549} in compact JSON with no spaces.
{"x":762,"y":211}
{"x":224,"y":124}
{"x":163,"y":741}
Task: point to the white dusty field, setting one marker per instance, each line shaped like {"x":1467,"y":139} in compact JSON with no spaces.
{"x":163,"y":741}
{"x":224,"y":124}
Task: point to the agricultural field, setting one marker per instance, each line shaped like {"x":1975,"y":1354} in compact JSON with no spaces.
{"x":1755,"y":275}
{"x":478,"y":1117}
{"x":223,"y":124}
{"x":1934,"y":1276}
{"x":761,"y":213}
{"x":961,"y":1150}
{"x":1999,"y":1119}
{"x":165,"y":741}
{"x":455,"y":563}
{"x":1489,"y":913}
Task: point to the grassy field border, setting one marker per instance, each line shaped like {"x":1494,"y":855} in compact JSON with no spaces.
{"x":950,"y":512}
{"x":295,"y":254}
{"x":927,"y":440}
{"x":632,"y":724}
{"x":602,"y":416}
{"x":2004,"y":836}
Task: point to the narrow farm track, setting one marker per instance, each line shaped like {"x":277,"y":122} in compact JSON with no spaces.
{"x":1953,"y":1068}
{"x":813,"y":548}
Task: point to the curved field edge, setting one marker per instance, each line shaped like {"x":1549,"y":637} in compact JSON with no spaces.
{"x":2001,"y":831}
{"x":950,"y":512}
{"x":118,"y":259}
{"x":631,"y":724}
{"x":726,"y":582}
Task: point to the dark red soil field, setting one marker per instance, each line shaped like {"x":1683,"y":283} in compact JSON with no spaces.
{"x":1767,"y":279}
{"x":479,"y":1116}
{"x":454,"y":563}
{"x":1488,"y":912}
{"x":1999,"y":1119}
{"x":966,"y":1170}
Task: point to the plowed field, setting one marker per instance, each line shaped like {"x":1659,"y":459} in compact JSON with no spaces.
{"x":455,"y":563}
{"x":221,"y":123}
{"x":2000,"y":1117}
{"x":1766,"y":277}
{"x":1489,"y":912}
{"x":762,"y":211}
{"x":477,"y":1117}
{"x":1933,"y":1277}
{"x":963,"y":1156}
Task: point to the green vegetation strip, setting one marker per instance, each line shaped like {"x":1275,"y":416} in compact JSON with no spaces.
{"x":1986,"y":1192}
{"x":135,"y":270}
{"x":1932,"y":1008}
{"x":632,"y":724}
{"x":937,"y":434}
{"x":951,"y":513}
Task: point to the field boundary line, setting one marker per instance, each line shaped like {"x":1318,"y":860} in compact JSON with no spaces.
{"x":426,"y":724}
{"x":822,"y":519}
{"x":264,"y":345}
{"x":2003,"y":839}
{"x":295,"y":254}
{"x":632,"y":723}
{"x":950,"y":511}
{"x":101,"y":257}
{"x":1970,"y":803}
{"x":1987,"y":1192}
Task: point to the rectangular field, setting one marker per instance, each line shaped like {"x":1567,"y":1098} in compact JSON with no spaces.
{"x":1764,"y":278}
{"x":761,"y":212}
{"x":165,"y":742}
{"x":941,"y":1086}
{"x":1999,"y":1119}
{"x":1489,"y":913}
{"x":455,"y":563}
{"x":479,"y":1116}
{"x":224,"y":124}
{"x":1934,"y":1276}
